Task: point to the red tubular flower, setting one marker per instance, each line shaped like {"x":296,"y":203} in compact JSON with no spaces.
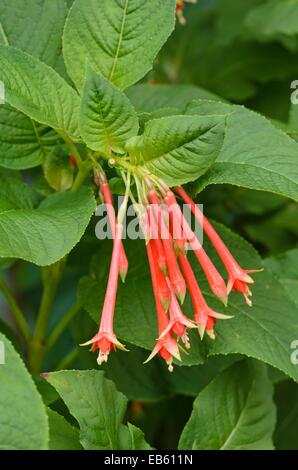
{"x":105,"y":340}
{"x":166,"y":346}
{"x":174,"y":272}
{"x":215,"y":280}
{"x":210,"y":327}
{"x":108,"y":199}
{"x":162,"y":285}
{"x":176,"y":232}
{"x":238,"y":278}
{"x":152,"y":229}
{"x":178,"y":321}
{"x":203,"y":314}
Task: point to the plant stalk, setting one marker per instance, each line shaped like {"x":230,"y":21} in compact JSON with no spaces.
{"x":16,"y":311}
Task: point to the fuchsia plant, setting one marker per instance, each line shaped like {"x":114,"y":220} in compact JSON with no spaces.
{"x":157,"y":104}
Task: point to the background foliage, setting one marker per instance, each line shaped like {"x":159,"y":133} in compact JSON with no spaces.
{"x":235,"y":59}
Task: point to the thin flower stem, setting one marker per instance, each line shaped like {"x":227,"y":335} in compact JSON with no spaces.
{"x":82,"y":174}
{"x":123,"y":207}
{"x":62,"y":325}
{"x":16,"y":311}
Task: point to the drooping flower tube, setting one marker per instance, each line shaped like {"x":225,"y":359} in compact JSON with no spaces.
{"x":105,"y":340}
{"x":166,"y":346}
{"x":101,"y":181}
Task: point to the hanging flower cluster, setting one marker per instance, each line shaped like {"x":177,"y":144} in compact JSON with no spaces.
{"x":168,"y":237}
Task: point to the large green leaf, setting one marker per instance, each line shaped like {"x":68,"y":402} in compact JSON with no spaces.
{"x":38,"y":91}
{"x":254,"y":155}
{"x":63,"y":436}
{"x":23,"y":142}
{"x":99,"y":409}
{"x":258,"y":331}
{"x":234,"y":412}
{"x":152,"y":382}
{"x":119,"y":38}
{"x":35,"y":27}
{"x":23,"y":419}
{"x":46,"y":234}
{"x":15,"y":192}
{"x":107,"y":118}
{"x":179,"y":149}
{"x":147,"y":98}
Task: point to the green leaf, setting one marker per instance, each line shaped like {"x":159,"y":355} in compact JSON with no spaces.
{"x":148,"y":98}
{"x":273,"y":18}
{"x":99,"y":409}
{"x":152,"y":382}
{"x":38,"y":91}
{"x":23,"y":420}
{"x":119,"y":39}
{"x":255,"y":154}
{"x":284,"y":267}
{"x":15,"y":191}
{"x":23,"y":142}
{"x":256,"y":331}
{"x":46,"y":234}
{"x":234,"y":412}
{"x":179,"y":149}
{"x":63,"y":436}
{"x":35,"y":27}
{"x":230,"y":18}
{"x":107,"y":118}
{"x":132,"y":438}
{"x":47,"y":392}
